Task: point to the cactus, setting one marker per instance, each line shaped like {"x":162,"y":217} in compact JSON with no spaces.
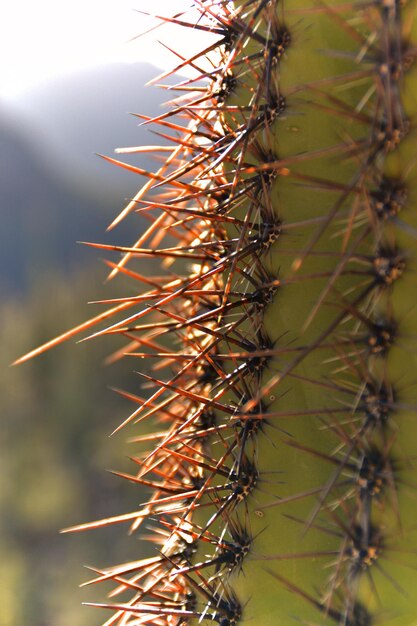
{"x":281,"y":327}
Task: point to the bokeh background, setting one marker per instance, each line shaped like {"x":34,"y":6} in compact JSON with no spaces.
{"x":70,"y":75}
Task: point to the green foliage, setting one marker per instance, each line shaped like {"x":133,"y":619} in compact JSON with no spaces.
{"x":57,"y":414}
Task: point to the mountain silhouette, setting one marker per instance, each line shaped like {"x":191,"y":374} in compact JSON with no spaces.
{"x":53,"y":189}
{"x":88,"y":112}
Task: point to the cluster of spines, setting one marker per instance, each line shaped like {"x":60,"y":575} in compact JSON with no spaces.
{"x":216,"y":215}
{"x":365,"y":477}
{"x":213,"y":224}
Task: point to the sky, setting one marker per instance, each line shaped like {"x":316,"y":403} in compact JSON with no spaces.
{"x":42,"y":39}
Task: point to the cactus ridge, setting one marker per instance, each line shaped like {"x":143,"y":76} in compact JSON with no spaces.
{"x":273,"y":324}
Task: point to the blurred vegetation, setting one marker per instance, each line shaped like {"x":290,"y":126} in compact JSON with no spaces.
{"x":57,"y":413}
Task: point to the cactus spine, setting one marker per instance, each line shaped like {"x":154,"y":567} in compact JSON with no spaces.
{"x":280,"y":480}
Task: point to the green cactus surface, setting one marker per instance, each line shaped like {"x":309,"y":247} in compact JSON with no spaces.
{"x":277,"y":437}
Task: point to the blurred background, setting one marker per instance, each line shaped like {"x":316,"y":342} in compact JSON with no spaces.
{"x":70,"y":75}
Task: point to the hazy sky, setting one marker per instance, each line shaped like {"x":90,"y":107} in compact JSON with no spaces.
{"x":40,"y":39}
